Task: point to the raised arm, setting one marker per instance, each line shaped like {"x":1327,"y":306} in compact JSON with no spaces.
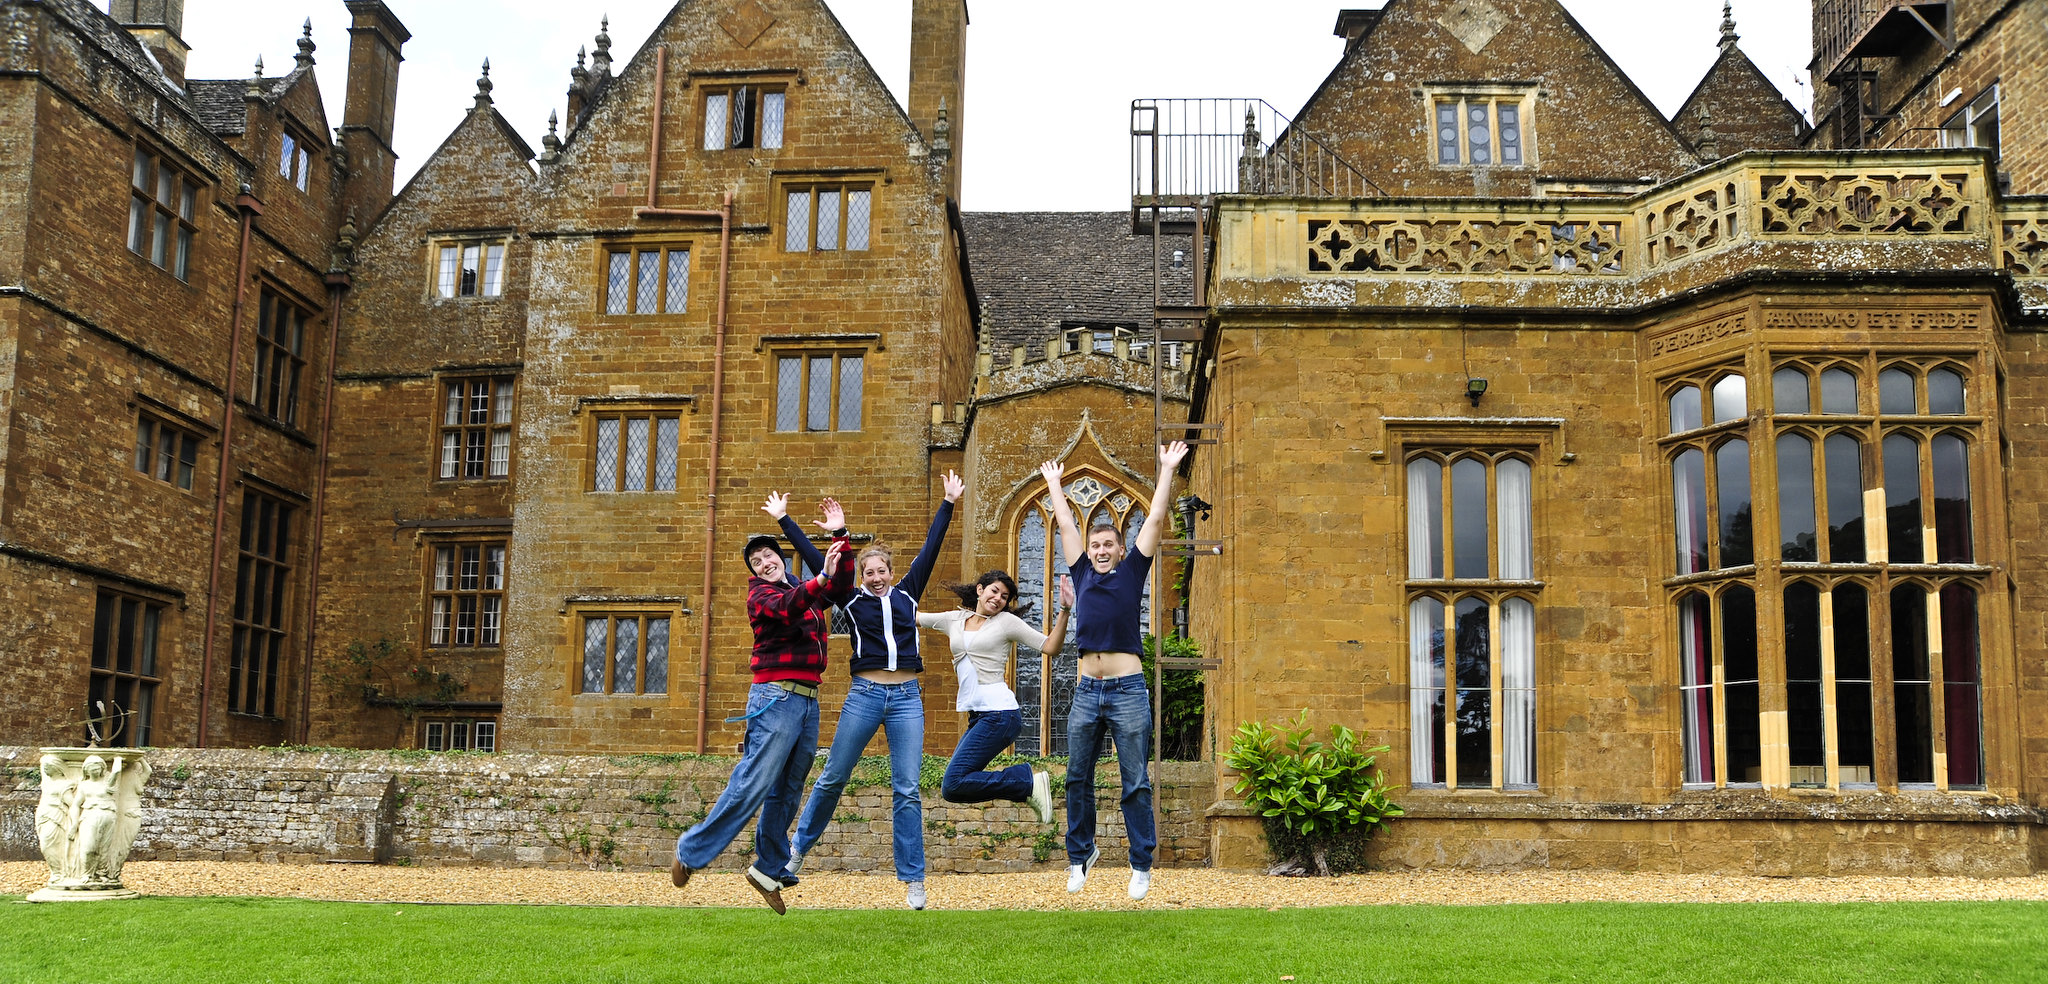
{"x":835,"y":576}
{"x":1170,"y":456}
{"x":777,"y":508}
{"x":1056,"y":636}
{"x":920,"y":572}
{"x":1071,"y":544}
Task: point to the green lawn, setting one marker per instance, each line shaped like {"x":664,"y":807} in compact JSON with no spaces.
{"x":170,"y":941}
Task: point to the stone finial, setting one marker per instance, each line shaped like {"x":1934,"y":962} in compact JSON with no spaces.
{"x":305,"y":56}
{"x":344,"y":253}
{"x":1728,"y":35}
{"x":551,"y":145}
{"x":484,"y":86}
{"x":942,"y":133}
{"x":256,"y":81}
{"x":1708,"y":142}
{"x":601,"y":60}
{"x":579,"y":77}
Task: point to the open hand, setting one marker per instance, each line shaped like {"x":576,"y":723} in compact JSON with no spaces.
{"x":835,"y":517}
{"x":954,"y":486}
{"x":1170,"y":455}
{"x":832,"y":558}
{"x":777,"y":506}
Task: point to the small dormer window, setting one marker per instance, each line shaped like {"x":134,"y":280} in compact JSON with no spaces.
{"x":1488,"y":127}
{"x":295,"y":159}
{"x":743,"y":116}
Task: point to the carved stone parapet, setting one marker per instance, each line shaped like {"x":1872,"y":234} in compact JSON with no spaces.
{"x":87,"y":816}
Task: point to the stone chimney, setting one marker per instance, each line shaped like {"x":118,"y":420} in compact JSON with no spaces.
{"x":1355,"y":24}
{"x":157,"y":24}
{"x":938,"y":77}
{"x":375,"y":40}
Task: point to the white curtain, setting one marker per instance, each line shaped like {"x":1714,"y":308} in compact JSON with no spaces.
{"x":1688,"y":508}
{"x":1511,"y":483}
{"x":1426,"y":686}
{"x":1518,"y":691}
{"x":1425,"y":540}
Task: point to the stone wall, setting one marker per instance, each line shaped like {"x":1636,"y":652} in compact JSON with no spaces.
{"x":306,"y":807}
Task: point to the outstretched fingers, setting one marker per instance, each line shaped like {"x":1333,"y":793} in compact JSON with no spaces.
{"x":835,"y":516}
{"x":777,"y":506}
{"x":954,"y":486}
{"x":1170,"y":455}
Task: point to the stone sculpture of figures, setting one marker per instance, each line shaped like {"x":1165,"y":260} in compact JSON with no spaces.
{"x":97,"y":809}
{"x":53,"y":817}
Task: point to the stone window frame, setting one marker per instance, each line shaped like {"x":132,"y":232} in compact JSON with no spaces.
{"x":446,"y":584}
{"x":762,"y":125}
{"x":279,"y":360}
{"x":451,"y":276}
{"x":626,"y":294}
{"x":601,"y":477}
{"x":853,"y":205}
{"x":257,"y":658}
{"x":457,"y":428}
{"x":1835,"y":393}
{"x":794,"y":409}
{"x":1460,"y":97}
{"x":161,"y":230}
{"x":295,"y":156}
{"x":127,"y":661}
{"x":464,"y":733}
{"x":177,"y":465}
{"x":642,"y":615}
{"x":1443,"y":585}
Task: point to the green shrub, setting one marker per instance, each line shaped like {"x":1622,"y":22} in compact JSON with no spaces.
{"x":1181,"y":702}
{"x":1319,"y":802}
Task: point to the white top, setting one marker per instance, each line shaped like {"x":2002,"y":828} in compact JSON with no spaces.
{"x":981,"y":656}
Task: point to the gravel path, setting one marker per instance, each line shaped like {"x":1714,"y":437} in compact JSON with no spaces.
{"x":1172,"y":888}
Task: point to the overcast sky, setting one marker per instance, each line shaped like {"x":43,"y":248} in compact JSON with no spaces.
{"x":1049,"y":82}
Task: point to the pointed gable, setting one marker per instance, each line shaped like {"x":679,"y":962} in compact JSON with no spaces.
{"x":1743,"y":109}
{"x":1489,"y":98}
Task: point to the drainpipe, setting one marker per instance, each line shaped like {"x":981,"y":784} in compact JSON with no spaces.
{"x":724,"y":217}
{"x":338,"y":283}
{"x":250,"y":208}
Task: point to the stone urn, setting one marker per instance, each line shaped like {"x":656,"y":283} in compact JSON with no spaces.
{"x":86,"y":820}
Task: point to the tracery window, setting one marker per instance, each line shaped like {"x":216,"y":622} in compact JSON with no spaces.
{"x":1471,"y":620}
{"x":1859,"y":638}
{"x":1045,"y":685}
{"x":1484,"y":127}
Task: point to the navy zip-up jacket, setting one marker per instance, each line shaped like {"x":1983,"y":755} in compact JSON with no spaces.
{"x":884,"y":626}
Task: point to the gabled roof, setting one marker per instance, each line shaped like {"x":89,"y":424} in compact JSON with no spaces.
{"x":1035,"y":271}
{"x":481,"y":120}
{"x":220,"y":104}
{"x":1746,"y":109}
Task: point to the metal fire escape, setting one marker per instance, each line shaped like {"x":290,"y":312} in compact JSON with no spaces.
{"x":1184,"y":154}
{"x":1847,"y":32}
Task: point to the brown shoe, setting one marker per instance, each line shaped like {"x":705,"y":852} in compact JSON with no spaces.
{"x":677,"y":874}
{"x":770,"y":889}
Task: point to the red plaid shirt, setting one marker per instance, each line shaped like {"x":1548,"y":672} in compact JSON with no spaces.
{"x":791,"y":623}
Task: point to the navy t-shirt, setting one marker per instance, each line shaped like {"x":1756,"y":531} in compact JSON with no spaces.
{"x":1106,"y":605}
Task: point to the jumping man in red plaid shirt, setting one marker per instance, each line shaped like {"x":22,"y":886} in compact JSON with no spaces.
{"x":790,"y":625}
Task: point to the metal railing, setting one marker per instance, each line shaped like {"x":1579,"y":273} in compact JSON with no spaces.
{"x":1839,"y":24}
{"x":1183,"y":150}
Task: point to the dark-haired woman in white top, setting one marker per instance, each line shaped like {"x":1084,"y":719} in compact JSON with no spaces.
{"x":981,"y":634}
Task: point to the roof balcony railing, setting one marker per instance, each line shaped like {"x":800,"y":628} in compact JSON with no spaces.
{"x":1186,"y":150}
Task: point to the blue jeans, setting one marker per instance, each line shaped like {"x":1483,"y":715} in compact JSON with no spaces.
{"x":781,"y":741}
{"x":1119,"y":708}
{"x":898,"y":710}
{"x":988,"y":733}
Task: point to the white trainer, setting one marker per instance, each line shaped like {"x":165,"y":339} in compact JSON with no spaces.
{"x":1041,"y":796}
{"x":915,"y":895}
{"x":1077,"y":874}
{"x":1141,"y":882}
{"x":796,"y":864}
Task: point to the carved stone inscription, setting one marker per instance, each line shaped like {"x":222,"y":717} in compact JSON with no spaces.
{"x":1873,"y":320}
{"x":1691,"y":336}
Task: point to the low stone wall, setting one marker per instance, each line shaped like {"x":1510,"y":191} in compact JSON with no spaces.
{"x":552,"y":811}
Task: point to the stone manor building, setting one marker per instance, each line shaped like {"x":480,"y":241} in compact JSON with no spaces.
{"x":1656,"y":487}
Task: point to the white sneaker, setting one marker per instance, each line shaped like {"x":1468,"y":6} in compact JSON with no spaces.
{"x":1077,"y":874}
{"x":796,"y":864}
{"x":1141,"y":882}
{"x":915,"y":895}
{"x":1041,"y":796}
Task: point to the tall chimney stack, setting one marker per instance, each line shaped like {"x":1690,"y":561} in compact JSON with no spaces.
{"x":157,"y":24}
{"x":375,"y":38}
{"x":938,"y":77}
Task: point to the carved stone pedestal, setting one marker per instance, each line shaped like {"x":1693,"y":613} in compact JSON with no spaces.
{"x":86,"y":820}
